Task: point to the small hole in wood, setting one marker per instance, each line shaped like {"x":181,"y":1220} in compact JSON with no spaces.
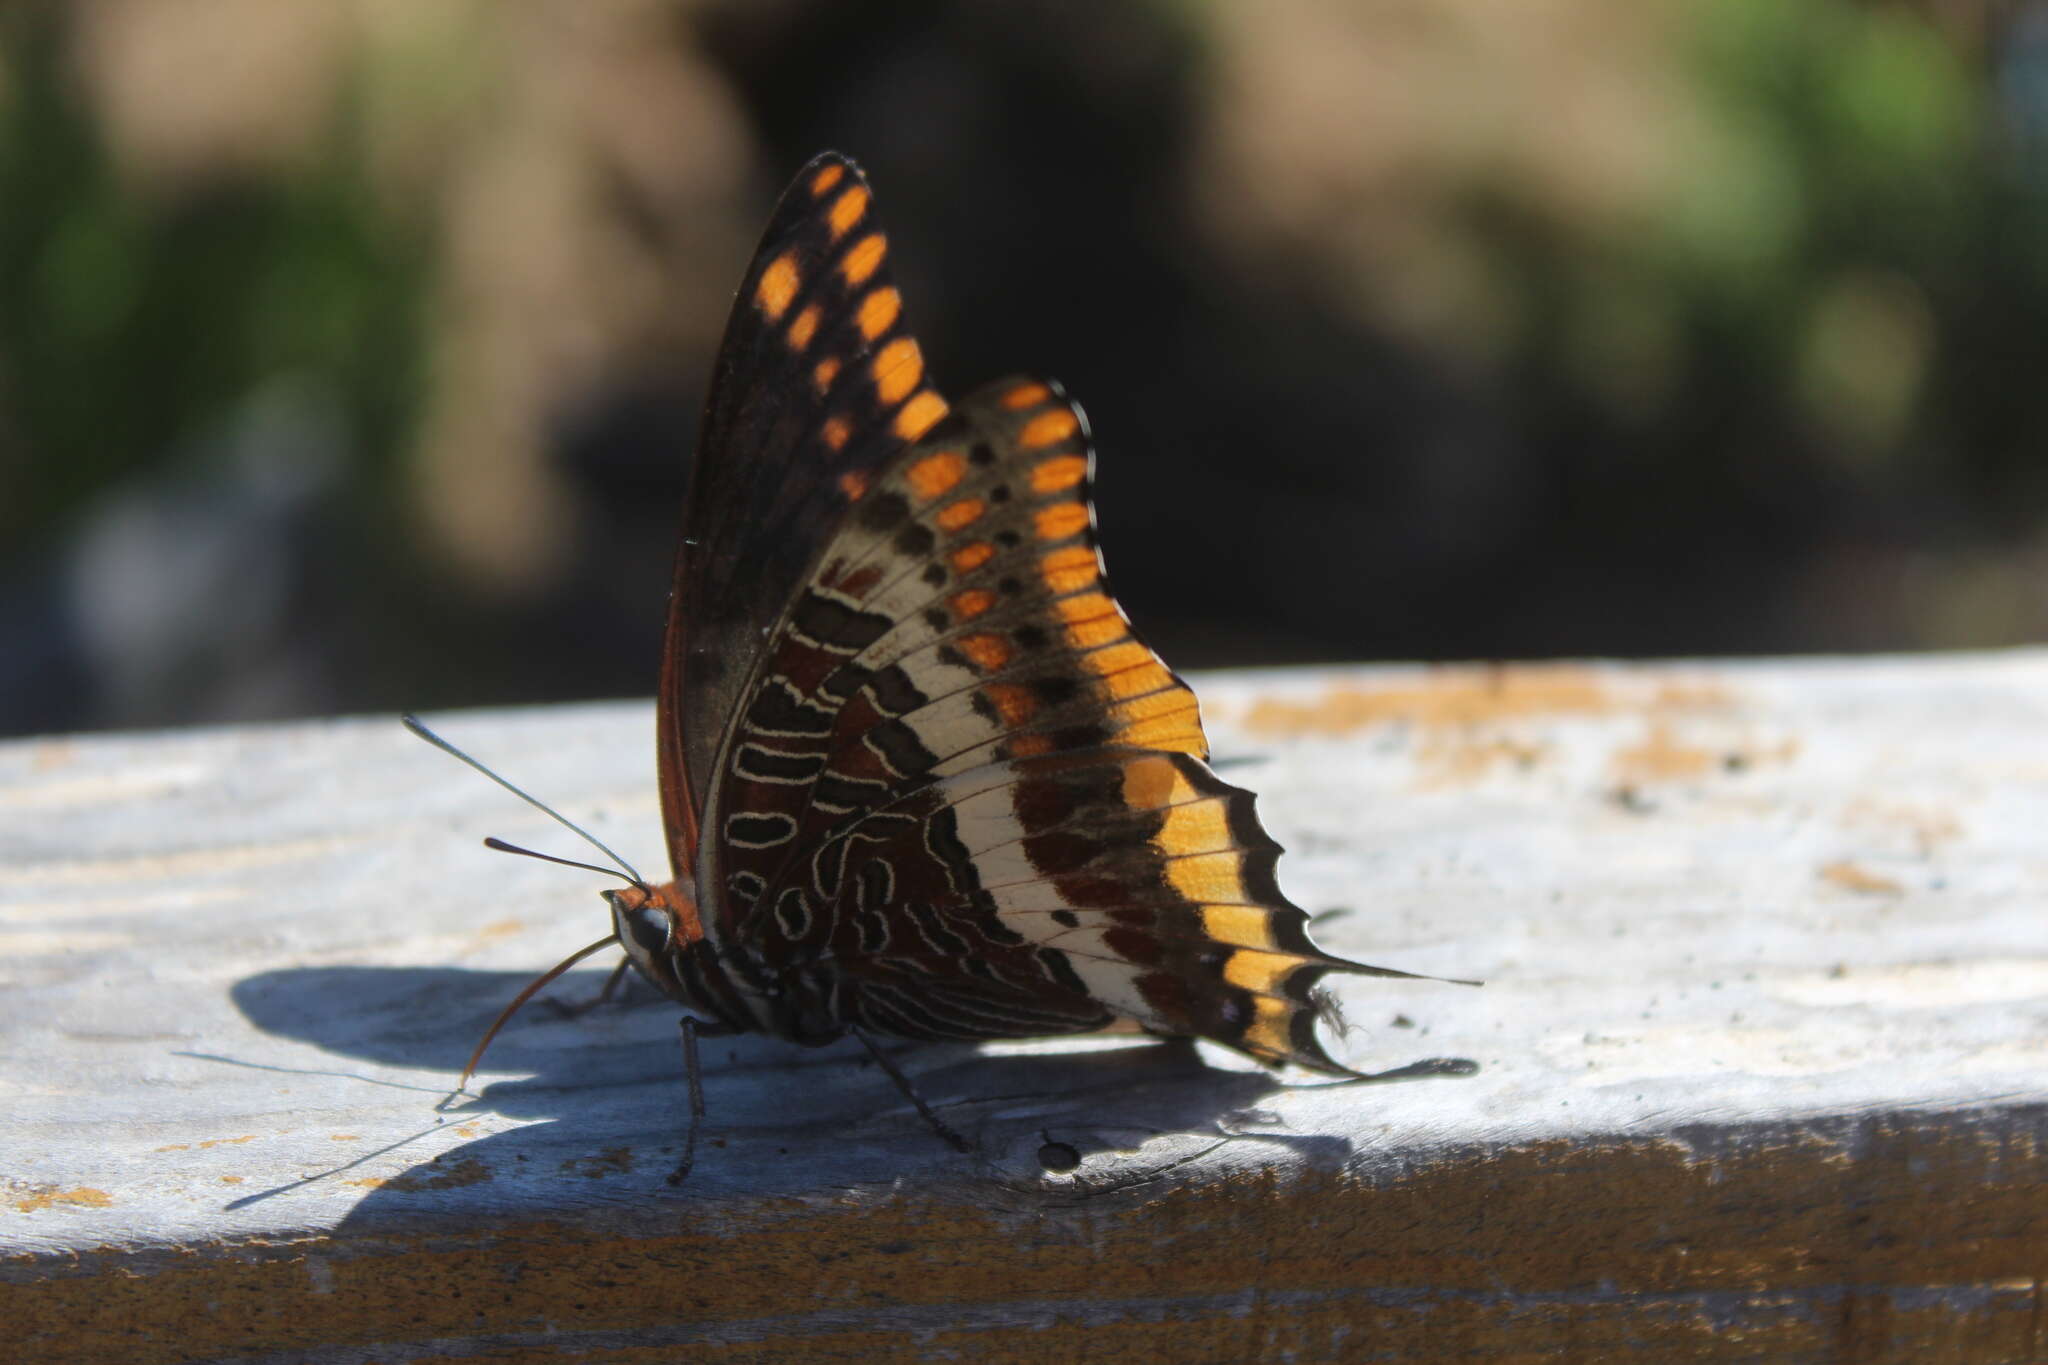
{"x":1058,"y":1157}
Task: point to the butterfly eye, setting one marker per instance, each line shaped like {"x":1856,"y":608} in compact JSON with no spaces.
{"x":645,"y":929}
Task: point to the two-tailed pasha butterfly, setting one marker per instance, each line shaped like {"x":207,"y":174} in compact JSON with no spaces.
{"x":920,"y":777}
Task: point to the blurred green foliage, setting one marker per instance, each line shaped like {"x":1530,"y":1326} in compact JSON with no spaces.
{"x":130,"y":323}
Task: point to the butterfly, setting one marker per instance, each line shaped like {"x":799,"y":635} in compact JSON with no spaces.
{"x":920,"y":777}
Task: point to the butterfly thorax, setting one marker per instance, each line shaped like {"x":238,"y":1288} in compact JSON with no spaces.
{"x":664,"y":938}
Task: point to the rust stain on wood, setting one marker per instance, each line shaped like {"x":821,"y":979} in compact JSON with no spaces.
{"x":617,"y":1161}
{"x":1448,"y":697}
{"x":1448,"y":757}
{"x":1454,"y":697}
{"x":83,"y":1196}
{"x":1661,"y":757}
{"x":1849,"y":877}
{"x":1922,"y":828}
{"x":434,"y":1176}
{"x":155,"y":867}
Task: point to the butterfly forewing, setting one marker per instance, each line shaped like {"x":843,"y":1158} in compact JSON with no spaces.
{"x":817,"y":384}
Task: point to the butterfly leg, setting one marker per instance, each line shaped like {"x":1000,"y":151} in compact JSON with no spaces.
{"x":958,"y":1143}
{"x":611,"y":984}
{"x":695,"y":1072}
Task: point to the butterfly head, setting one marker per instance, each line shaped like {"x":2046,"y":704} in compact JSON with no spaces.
{"x":652,"y":925}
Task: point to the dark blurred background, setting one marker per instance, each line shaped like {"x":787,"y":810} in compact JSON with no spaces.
{"x":350,"y":352}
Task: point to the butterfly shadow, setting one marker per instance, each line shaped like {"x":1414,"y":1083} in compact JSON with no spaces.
{"x":602,"y":1106}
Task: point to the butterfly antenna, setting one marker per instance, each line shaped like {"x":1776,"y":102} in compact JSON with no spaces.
{"x":497,"y":845}
{"x":520,"y":999}
{"x":414,"y":724}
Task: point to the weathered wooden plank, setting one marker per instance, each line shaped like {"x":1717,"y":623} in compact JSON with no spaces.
{"x":1765,"y":1071}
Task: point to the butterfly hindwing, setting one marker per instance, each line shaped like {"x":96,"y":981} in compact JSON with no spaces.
{"x":966,"y":801}
{"x":1073,"y":886}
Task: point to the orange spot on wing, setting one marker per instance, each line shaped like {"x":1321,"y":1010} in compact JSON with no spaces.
{"x":920,"y":415}
{"x":897,"y":370}
{"x":1153,"y":782}
{"x":1158,"y":706}
{"x":1261,"y":973}
{"x":1062,"y":520}
{"x":854,"y":484}
{"x":965,"y":512}
{"x":972,"y":603}
{"x":1207,"y":877}
{"x":778,"y":285}
{"x":988,"y":653}
{"x":1117,"y":659}
{"x":1248,"y":926}
{"x":804,"y":328}
{"x":1099,"y":631}
{"x":1140,"y":680}
{"x":971,"y":556}
{"x":825,"y":373}
{"x":835,"y":432}
{"x":935,"y":474}
{"x":1271,"y":1029}
{"x":1048,"y":428}
{"x":825,"y":179}
{"x":878,"y":312}
{"x":1069,"y":570}
{"x":1026,"y":396}
{"x":1194,"y":827}
{"x":847,"y":210}
{"x":862,"y":261}
{"x":1084,"y":607}
{"x":1059,"y":473}
{"x":1013,"y":703}
{"x":1027,"y":746}
{"x":1177,"y":726}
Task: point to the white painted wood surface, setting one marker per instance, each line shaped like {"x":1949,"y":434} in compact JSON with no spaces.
{"x":1721,"y":909}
